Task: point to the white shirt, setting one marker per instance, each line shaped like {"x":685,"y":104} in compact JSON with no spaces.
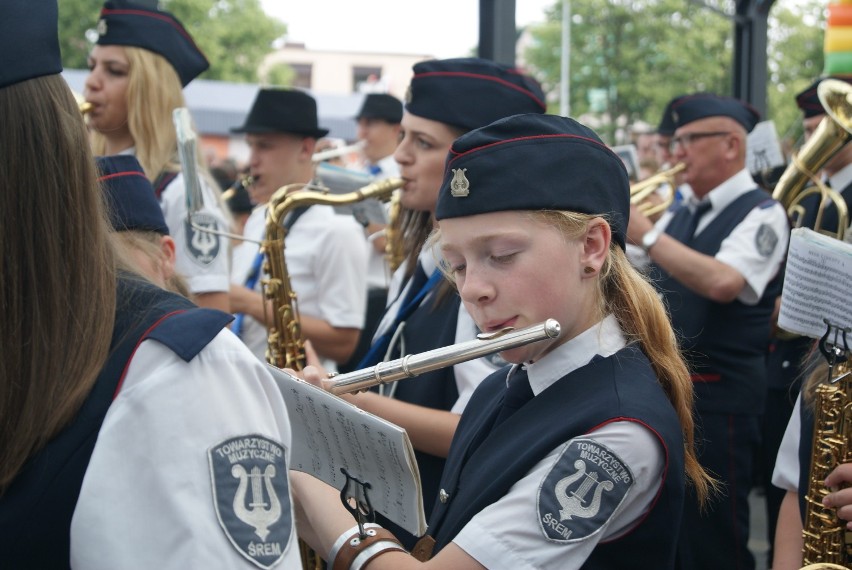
{"x":468,"y":374}
{"x":786,"y":473}
{"x":325,"y":255}
{"x":740,"y":249}
{"x":147,"y":496}
{"x":506,"y":534}
{"x":378,"y":271}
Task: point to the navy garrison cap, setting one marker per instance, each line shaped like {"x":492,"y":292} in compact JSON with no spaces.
{"x":131,"y":199}
{"x":808,"y":100}
{"x":283,"y":111}
{"x":535,"y":162}
{"x":381,"y":106}
{"x":470,"y":93}
{"x":691,"y":108}
{"x":667,"y":122}
{"x":125,"y":23}
{"x":28,"y":40}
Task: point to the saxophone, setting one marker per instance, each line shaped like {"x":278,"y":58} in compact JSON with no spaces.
{"x":827,"y":542}
{"x":285,"y":345}
{"x":394,"y":244}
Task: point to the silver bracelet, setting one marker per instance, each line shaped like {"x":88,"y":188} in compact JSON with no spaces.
{"x":372,"y":551}
{"x":344,"y":538}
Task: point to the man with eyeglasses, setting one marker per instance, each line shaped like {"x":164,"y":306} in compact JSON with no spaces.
{"x":716,"y":262}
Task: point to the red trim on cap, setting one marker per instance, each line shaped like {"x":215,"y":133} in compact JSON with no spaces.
{"x":169,"y":20}
{"x":534,"y":137}
{"x":503,"y":82}
{"x":119,"y":174}
{"x":135,"y":348}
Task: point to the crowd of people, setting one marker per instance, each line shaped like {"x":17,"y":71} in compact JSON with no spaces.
{"x":136,"y":407}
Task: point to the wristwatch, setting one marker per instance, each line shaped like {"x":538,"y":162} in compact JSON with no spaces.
{"x":650,"y":238}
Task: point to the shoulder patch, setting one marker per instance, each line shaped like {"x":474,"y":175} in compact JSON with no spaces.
{"x":581,"y":491}
{"x":201,"y":244}
{"x":251,"y":496}
{"x":765,"y":239}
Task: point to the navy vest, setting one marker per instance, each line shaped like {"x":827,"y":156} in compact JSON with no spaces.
{"x":432,"y":325}
{"x":621,"y":387}
{"x":806,"y":446}
{"x":36,"y":510}
{"x":724,"y":343}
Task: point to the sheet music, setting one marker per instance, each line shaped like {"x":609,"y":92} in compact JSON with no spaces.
{"x":816,"y":285}
{"x":329,"y":433}
{"x":763,"y":150}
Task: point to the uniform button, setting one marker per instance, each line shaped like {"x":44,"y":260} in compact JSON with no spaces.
{"x":443,"y":496}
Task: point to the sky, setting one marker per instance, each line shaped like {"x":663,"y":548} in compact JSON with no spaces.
{"x":440,"y":28}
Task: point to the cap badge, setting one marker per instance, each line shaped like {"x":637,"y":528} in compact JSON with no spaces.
{"x":460,"y":186}
{"x":408,"y":95}
{"x":102,"y":27}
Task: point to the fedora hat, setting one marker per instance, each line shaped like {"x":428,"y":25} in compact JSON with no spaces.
{"x":282,"y":111}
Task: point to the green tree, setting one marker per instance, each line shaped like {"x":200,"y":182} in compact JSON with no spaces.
{"x":234,"y":34}
{"x":641,"y":53}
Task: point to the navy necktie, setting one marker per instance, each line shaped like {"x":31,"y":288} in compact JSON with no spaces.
{"x":517,"y":394}
{"x":685,"y":230}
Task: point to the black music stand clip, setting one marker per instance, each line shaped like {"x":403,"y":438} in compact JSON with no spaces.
{"x":355,"y":491}
{"x":834,"y":347}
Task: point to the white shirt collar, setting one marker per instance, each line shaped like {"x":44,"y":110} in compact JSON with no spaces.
{"x":842,"y":178}
{"x":728,"y":191}
{"x":603,"y":339}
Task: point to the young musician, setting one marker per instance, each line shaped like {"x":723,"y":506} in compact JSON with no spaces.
{"x":137,"y":69}
{"x":575,"y":455}
{"x":129,"y":418}
{"x":446,"y":98}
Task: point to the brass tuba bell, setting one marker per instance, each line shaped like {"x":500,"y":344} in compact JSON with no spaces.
{"x":832,"y":133}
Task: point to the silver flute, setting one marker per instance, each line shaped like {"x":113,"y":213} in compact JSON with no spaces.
{"x":416,"y":364}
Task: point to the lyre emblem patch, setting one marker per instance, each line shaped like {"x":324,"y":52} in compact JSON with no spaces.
{"x":102,"y":27}
{"x":460,"y":185}
{"x":581,"y":491}
{"x":252,"y":497}
{"x":202,"y":244}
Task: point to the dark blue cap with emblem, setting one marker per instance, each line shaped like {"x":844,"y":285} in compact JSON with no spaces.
{"x":28,"y":40}
{"x":469,"y":93}
{"x":667,"y":122}
{"x":535,"y":162}
{"x":126,"y":23}
{"x":130,"y":196}
{"x":691,"y":108}
{"x":808,"y":100}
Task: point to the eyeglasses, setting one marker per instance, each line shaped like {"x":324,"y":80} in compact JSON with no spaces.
{"x":686,"y":139}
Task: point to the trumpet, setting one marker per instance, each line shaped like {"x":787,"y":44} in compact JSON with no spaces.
{"x":83,"y":105}
{"x":415,"y":364}
{"x":643,"y":190}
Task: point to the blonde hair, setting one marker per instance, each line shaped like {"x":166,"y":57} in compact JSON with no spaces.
{"x":634,"y":302}
{"x":54,"y":255}
{"x":149,"y":244}
{"x":154,"y":91}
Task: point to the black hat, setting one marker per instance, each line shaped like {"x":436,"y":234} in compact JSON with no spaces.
{"x":808,"y":100}
{"x":283,"y":111}
{"x":691,"y":108}
{"x":470,"y":93}
{"x":381,"y":106}
{"x":535,"y":162}
{"x":28,"y":40}
{"x":131,"y":199}
{"x":125,"y":23}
